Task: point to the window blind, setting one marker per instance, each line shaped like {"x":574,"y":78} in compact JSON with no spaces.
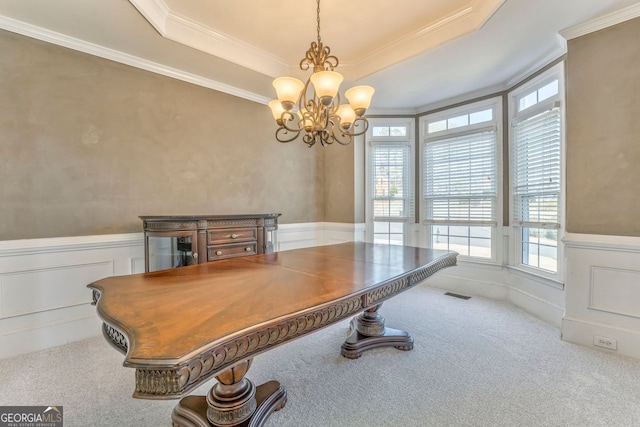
{"x":459,"y":179}
{"x":391,"y":183}
{"x":536,"y":174}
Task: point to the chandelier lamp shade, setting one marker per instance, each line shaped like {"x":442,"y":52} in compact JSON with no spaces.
{"x":314,"y":109}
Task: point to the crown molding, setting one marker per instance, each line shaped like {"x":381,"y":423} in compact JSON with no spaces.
{"x":53,"y":37}
{"x":154,"y":11}
{"x":434,"y":34}
{"x":191,"y":33}
{"x":617,"y":17}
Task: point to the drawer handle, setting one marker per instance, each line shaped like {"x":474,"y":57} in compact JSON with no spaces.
{"x":218,"y":253}
{"x":195,"y":255}
{"x":232,"y":236}
{"x":249,"y":249}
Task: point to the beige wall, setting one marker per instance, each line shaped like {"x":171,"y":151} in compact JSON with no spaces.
{"x":87,"y":145}
{"x":339,"y":183}
{"x":603,"y":131}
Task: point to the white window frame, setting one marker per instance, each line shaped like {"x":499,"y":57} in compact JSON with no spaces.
{"x":515,"y":231}
{"x":496,"y":104}
{"x":389,"y":140}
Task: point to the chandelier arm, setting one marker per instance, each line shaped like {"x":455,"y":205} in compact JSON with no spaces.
{"x":356,"y":123}
{"x":335,"y":105}
{"x":328,"y":138}
{"x":309,"y":139}
{"x":288,"y":116}
{"x":283,"y":131}
{"x":338,"y":133}
{"x":302,"y":102}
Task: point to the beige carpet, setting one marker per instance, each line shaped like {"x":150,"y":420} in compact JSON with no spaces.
{"x":477,"y":362}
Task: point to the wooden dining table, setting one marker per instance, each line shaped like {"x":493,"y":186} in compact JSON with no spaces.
{"x":179,"y":328}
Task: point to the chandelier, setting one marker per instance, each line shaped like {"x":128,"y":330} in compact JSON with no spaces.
{"x":319,"y":115}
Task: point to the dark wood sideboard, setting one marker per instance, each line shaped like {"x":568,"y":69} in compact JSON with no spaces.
{"x":172,"y":241}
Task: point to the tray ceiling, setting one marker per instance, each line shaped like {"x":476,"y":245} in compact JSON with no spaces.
{"x":417,"y":54}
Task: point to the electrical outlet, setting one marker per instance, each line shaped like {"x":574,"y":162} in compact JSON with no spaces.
{"x":605,"y":342}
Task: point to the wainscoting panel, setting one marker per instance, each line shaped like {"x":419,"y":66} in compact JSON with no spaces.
{"x":603,"y":291}
{"x":615,"y":290}
{"x":305,"y":235}
{"x":30,"y":291}
{"x":44,"y":299}
{"x":137,"y":265}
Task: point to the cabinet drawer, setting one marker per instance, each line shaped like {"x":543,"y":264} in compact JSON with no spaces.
{"x":230,"y":251}
{"x":231,"y":235}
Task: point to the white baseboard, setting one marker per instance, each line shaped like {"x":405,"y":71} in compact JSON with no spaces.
{"x":468,"y":285}
{"x":49,"y":334}
{"x":496,"y":282}
{"x":582,"y":332}
{"x":537,"y":306}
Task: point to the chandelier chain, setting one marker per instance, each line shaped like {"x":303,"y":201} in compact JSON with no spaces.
{"x":318,"y":19}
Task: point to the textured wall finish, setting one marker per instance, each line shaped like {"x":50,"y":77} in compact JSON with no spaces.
{"x":339,"y":183}
{"x":87,"y":145}
{"x":603,"y":131}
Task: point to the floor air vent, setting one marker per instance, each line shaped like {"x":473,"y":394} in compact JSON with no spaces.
{"x":451,"y":294}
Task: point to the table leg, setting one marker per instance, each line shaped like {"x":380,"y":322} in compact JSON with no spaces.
{"x":370,"y":332}
{"x":232,"y":401}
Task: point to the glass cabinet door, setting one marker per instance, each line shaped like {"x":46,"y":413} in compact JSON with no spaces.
{"x":171,"y":250}
{"x":270,"y":240}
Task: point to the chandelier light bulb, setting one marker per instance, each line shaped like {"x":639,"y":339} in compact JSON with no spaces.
{"x":276,"y":109}
{"x":360,"y":98}
{"x":326,"y":85}
{"x":288,"y":90}
{"x":347,"y":115}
